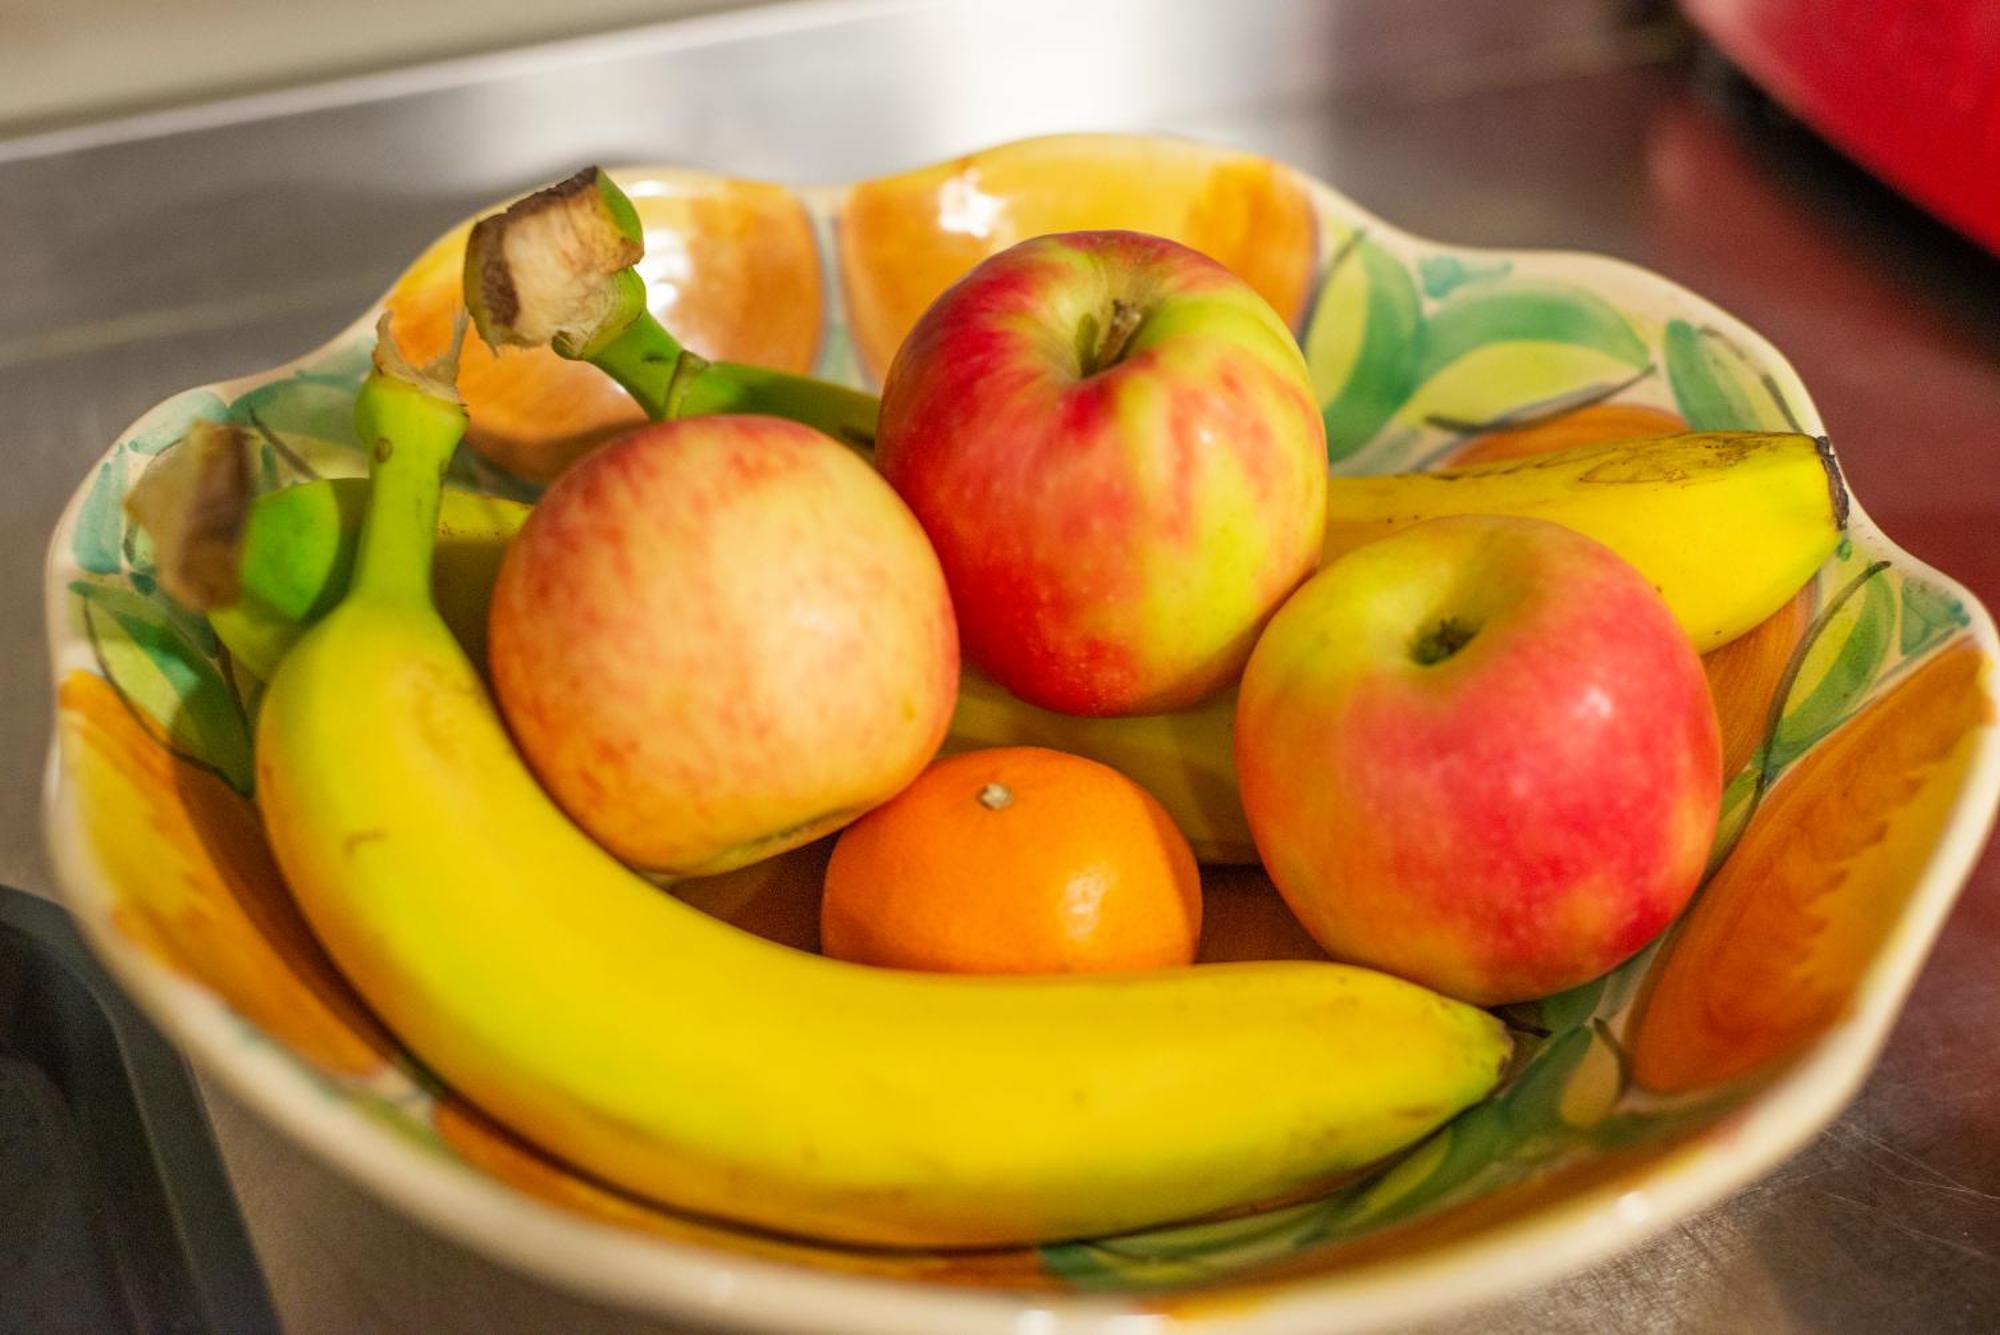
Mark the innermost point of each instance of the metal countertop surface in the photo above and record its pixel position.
(142, 257)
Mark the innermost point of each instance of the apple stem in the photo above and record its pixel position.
(1111, 341)
(996, 797)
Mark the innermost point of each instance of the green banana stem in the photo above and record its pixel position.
(667, 381)
(651, 364)
(412, 420)
(848, 415)
(556, 270)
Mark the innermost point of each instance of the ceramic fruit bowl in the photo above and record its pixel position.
(1858, 727)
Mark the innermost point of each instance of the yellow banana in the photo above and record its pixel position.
(693, 1063)
(1726, 524)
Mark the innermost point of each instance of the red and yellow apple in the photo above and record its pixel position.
(1480, 754)
(720, 638)
(1115, 448)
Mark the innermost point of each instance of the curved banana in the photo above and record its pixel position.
(1726, 524)
(693, 1063)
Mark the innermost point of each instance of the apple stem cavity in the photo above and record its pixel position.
(996, 797)
(1100, 346)
(1442, 641)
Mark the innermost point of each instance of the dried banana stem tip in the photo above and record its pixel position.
(555, 268)
(437, 377)
(193, 503)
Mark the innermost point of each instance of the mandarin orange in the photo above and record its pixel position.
(1014, 860)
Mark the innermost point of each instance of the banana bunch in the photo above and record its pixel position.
(1726, 525)
(691, 1062)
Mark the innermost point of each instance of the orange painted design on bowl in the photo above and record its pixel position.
(905, 239)
(196, 887)
(1743, 675)
(1773, 950)
(1595, 424)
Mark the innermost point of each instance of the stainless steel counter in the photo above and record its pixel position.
(140, 258)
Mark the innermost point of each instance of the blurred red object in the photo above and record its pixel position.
(1908, 88)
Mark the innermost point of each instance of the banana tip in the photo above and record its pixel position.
(1835, 483)
(437, 377)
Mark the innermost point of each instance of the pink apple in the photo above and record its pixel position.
(1114, 445)
(1480, 754)
(720, 638)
